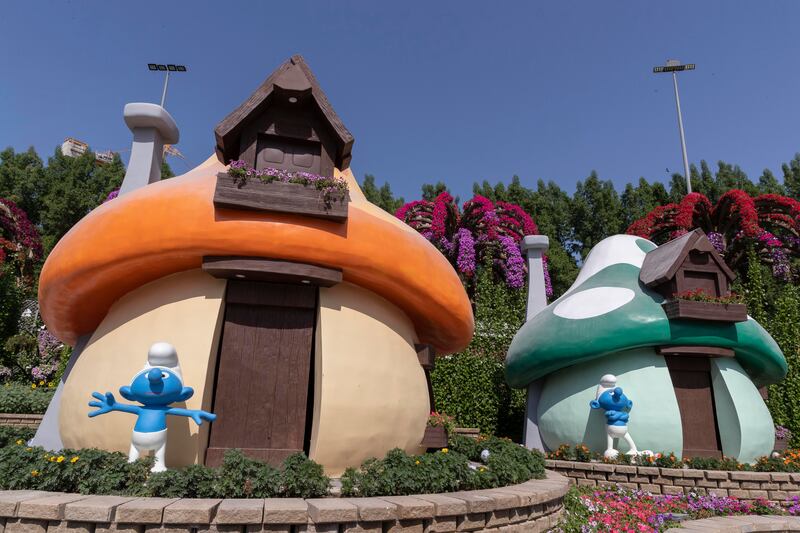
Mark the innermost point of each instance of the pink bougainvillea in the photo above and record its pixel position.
(481, 233)
(770, 223)
(19, 241)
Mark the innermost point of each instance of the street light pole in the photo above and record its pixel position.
(166, 84)
(167, 69)
(675, 66)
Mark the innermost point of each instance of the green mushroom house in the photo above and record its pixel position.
(660, 319)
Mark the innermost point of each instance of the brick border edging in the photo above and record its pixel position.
(535, 505)
(776, 487)
(732, 524)
(20, 420)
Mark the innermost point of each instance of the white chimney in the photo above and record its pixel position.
(534, 247)
(152, 128)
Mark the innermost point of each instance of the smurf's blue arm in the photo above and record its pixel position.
(106, 404)
(197, 415)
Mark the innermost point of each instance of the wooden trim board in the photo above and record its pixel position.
(273, 270)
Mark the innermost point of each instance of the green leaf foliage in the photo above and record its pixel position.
(450, 469)
(17, 398)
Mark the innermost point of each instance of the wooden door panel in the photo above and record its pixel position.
(691, 379)
(262, 382)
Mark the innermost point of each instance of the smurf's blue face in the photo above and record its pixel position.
(612, 400)
(157, 386)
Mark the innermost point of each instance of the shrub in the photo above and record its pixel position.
(9, 435)
(92, 471)
(447, 470)
(18, 398)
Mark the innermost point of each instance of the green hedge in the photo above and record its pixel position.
(17, 398)
(92, 471)
(472, 388)
(459, 467)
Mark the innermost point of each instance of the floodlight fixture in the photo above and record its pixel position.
(672, 66)
(165, 68)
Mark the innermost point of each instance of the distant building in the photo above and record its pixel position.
(73, 147)
(104, 157)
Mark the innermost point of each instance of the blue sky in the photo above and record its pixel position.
(456, 91)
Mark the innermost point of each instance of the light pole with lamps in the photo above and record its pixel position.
(167, 69)
(673, 66)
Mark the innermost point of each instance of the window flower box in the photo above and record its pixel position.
(696, 310)
(280, 197)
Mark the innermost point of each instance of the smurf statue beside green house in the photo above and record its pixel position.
(693, 369)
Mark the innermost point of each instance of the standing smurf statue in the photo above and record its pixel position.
(158, 385)
(616, 407)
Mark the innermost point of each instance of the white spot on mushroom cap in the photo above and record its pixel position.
(593, 302)
(610, 251)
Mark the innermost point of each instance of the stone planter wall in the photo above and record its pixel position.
(531, 506)
(20, 420)
(773, 486)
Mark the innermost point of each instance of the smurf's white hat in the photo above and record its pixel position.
(608, 381)
(164, 355)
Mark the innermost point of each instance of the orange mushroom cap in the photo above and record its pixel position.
(169, 226)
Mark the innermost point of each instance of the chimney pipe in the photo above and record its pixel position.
(534, 247)
(152, 128)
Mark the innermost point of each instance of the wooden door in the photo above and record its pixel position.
(264, 371)
(691, 379)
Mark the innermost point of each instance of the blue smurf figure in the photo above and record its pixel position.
(616, 405)
(155, 387)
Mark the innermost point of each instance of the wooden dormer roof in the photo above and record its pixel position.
(293, 76)
(661, 264)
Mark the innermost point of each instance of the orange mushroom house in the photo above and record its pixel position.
(305, 317)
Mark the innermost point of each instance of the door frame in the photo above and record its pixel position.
(261, 269)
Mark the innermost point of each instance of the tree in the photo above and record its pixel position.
(22, 181)
(430, 192)
(596, 214)
(166, 170)
(769, 184)
(640, 199)
(77, 185)
(791, 177)
(383, 197)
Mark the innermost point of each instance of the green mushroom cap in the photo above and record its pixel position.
(608, 310)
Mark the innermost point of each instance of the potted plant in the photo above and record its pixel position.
(282, 191)
(782, 438)
(440, 427)
(696, 304)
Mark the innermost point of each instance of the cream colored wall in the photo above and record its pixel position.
(184, 309)
(370, 390)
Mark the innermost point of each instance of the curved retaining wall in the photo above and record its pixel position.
(532, 506)
(773, 486)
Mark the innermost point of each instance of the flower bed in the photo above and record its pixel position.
(17, 398)
(788, 461)
(624, 510)
(470, 464)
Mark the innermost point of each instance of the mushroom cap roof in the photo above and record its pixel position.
(169, 226)
(608, 310)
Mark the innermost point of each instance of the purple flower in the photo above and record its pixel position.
(466, 252)
(514, 264)
(113, 194)
(717, 241)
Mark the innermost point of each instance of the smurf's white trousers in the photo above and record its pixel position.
(615, 432)
(144, 441)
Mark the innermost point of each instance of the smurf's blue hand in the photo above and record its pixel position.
(106, 404)
(197, 416)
